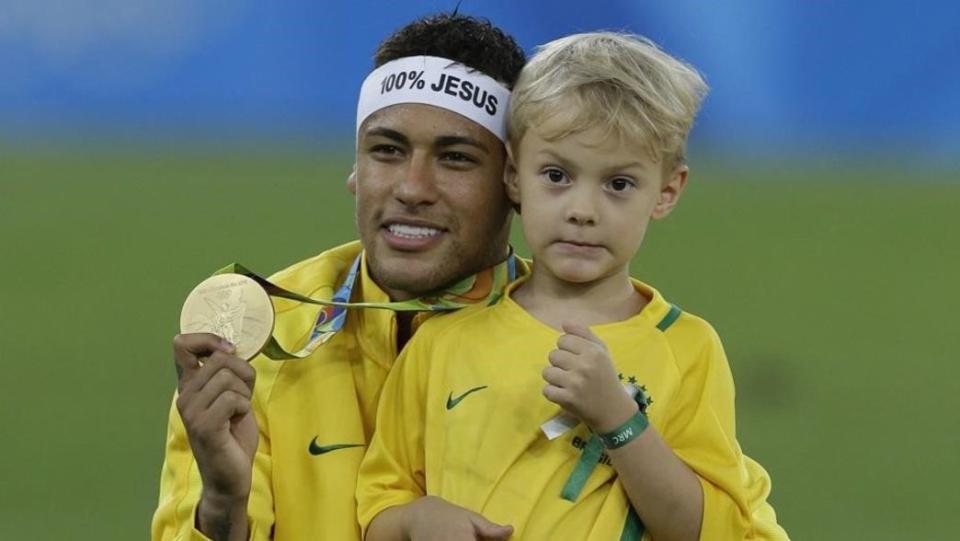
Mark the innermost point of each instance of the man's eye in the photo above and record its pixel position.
(385, 150)
(621, 184)
(458, 157)
(555, 176)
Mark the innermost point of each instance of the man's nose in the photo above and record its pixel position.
(419, 184)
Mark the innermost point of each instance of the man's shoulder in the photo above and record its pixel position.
(323, 270)
(316, 276)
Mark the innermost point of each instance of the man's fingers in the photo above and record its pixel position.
(485, 529)
(227, 406)
(216, 362)
(238, 366)
(222, 381)
(188, 349)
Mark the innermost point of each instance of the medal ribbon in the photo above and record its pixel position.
(485, 286)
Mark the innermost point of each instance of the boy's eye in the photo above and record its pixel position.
(620, 184)
(555, 176)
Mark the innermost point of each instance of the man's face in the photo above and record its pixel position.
(431, 206)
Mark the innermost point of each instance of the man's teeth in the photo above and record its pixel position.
(413, 232)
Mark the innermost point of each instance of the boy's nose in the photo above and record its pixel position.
(582, 210)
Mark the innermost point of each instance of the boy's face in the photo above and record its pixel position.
(586, 199)
(431, 206)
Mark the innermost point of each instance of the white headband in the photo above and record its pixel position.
(440, 82)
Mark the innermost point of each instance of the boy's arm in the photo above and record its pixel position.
(392, 473)
(662, 489)
(691, 482)
(665, 493)
(392, 504)
(702, 431)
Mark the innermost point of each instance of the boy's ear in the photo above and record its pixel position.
(352, 180)
(670, 192)
(510, 179)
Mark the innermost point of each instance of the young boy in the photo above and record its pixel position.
(582, 405)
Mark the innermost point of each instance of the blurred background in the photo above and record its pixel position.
(146, 143)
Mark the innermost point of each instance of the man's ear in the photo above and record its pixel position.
(352, 180)
(510, 179)
(670, 192)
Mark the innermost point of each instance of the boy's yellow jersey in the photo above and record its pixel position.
(315, 417)
(460, 418)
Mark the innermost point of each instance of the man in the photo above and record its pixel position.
(278, 459)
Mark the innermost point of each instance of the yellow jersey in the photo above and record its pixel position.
(315, 417)
(460, 418)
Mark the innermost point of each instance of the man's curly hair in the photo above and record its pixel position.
(474, 42)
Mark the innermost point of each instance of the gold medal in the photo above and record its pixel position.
(233, 307)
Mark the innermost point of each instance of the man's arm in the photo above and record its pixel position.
(433, 519)
(213, 435)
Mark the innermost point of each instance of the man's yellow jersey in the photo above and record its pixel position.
(315, 416)
(460, 419)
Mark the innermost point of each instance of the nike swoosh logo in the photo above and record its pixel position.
(317, 450)
(452, 402)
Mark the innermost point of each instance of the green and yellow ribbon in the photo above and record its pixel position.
(485, 286)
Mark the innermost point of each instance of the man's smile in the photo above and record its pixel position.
(411, 234)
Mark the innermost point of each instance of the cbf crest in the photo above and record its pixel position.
(638, 391)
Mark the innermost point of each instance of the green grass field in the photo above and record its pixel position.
(834, 289)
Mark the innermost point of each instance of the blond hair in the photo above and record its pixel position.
(621, 83)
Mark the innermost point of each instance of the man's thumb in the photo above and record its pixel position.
(489, 530)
